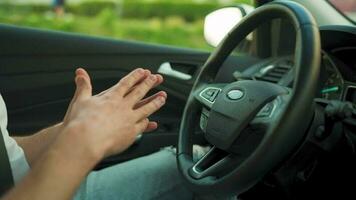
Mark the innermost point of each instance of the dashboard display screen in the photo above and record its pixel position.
(333, 83)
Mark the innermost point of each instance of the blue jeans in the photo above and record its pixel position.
(150, 177)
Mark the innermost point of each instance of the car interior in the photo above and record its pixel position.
(275, 100)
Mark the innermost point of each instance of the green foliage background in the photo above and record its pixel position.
(172, 22)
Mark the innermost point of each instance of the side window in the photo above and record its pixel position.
(171, 22)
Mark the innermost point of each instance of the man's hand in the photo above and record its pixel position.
(108, 123)
(38, 143)
(94, 127)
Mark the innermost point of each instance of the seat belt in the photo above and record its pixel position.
(6, 179)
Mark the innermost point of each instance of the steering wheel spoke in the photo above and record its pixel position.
(206, 96)
(215, 163)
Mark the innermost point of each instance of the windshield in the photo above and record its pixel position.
(346, 7)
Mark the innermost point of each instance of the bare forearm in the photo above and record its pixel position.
(37, 143)
(57, 174)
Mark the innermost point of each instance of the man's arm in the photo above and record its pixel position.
(56, 175)
(94, 127)
(34, 145)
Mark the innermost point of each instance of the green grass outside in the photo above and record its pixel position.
(108, 22)
(171, 30)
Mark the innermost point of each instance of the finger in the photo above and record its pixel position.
(142, 125)
(111, 88)
(83, 85)
(141, 90)
(72, 101)
(81, 71)
(151, 126)
(148, 99)
(129, 81)
(78, 71)
(151, 107)
(158, 82)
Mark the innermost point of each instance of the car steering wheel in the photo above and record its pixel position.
(251, 125)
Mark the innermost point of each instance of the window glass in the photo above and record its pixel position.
(172, 22)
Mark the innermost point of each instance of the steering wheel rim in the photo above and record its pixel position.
(281, 139)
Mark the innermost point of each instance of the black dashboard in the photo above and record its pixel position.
(337, 80)
(338, 73)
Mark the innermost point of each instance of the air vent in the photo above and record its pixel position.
(274, 73)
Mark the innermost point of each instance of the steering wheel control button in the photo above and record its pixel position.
(266, 111)
(204, 119)
(235, 94)
(203, 122)
(210, 94)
